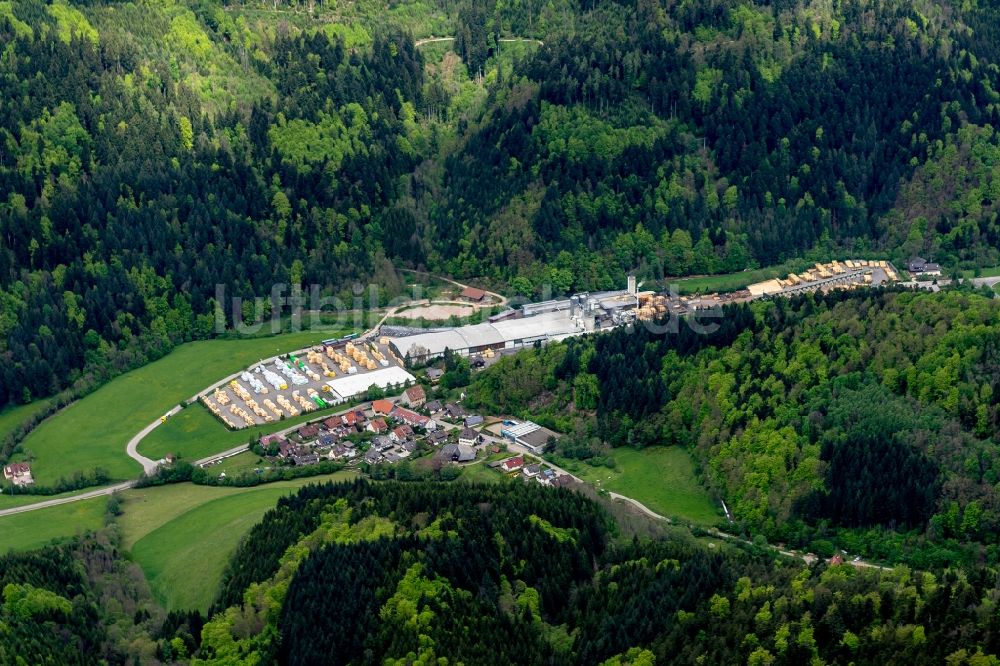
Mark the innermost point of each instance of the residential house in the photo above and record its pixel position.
(410, 445)
(18, 474)
(920, 266)
(268, 440)
(286, 449)
(393, 457)
(326, 441)
(354, 419)
(433, 407)
(410, 417)
(373, 456)
(512, 464)
(547, 476)
(305, 459)
(473, 420)
(377, 425)
(435, 374)
(465, 453)
(531, 471)
(340, 451)
(454, 411)
(401, 433)
(382, 443)
(468, 437)
(308, 432)
(382, 407)
(332, 423)
(448, 452)
(415, 396)
(437, 437)
(562, 481)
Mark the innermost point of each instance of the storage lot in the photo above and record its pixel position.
(287, 386)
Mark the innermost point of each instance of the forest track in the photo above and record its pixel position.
(503, 40)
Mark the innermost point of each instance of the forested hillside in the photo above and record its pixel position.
(152, 151)
(869, 421)
(515, 573)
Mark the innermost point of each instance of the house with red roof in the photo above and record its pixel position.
(377, 425)
(512, 464)
(383, 407)
(415, 396)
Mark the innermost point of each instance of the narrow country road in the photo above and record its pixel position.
(504, 40)
(90, 494)
(501, 300)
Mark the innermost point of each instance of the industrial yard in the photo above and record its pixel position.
(588, 312)
(822, 277)
(344, 368)
(319, 377)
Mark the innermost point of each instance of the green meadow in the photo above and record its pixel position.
(93, 431)
(34, 529)
(662, 478)
(183, 535)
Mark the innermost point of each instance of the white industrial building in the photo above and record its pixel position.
(534, 322)
(348, 386)
(475, 338)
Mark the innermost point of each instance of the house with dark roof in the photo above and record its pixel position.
(286, 449)
(920, 266)
(326, 441)
(372, 456)
(465, 453)
(340, 451)
(382, 443)
(435, 374)
(473, 420)
(305, 459)
(454, 411)
(531, 471)
(433, 407)
(562, 480)
(437, 437)
(308, 431)
(468, 437)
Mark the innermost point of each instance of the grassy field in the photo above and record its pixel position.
(735, 281)
(992, 271)
(183, 535)
(26, 531)
(10, 417)
(662, 478)
(93, 432)
(194, 433)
